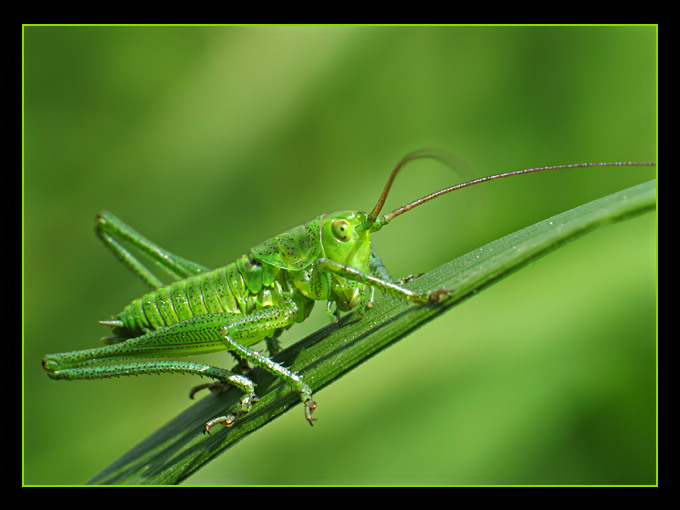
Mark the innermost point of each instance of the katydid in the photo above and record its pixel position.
(254, 299)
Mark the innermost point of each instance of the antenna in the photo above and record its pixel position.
(374, 223)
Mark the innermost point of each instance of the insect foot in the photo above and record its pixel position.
(439, 295)
(310, 407)
(305, 393)
(408, 278)
(227, 420)
(246, 404)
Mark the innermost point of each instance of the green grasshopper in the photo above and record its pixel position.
(254, 299)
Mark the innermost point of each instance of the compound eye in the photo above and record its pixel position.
(341, 230)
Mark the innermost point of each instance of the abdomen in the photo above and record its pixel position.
(222, 290)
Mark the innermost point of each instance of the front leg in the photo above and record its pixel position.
(378, 269)
(351, 273)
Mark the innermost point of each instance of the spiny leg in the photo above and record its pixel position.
(207, 333)
(235, 333)
(249, 326)
(112, 231)
(217, 387)
(279, 371)
(351, 273)
(158, 367)
(194, 336)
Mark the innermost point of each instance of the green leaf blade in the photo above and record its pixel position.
(180, 448)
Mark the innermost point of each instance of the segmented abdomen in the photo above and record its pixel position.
(238, 288)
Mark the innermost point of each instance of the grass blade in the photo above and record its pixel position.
(179, 448)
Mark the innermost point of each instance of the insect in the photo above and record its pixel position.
(254, 299)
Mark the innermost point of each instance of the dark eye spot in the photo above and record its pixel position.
(341, 230)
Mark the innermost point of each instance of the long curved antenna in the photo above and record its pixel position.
(373, 223)
(401, 210)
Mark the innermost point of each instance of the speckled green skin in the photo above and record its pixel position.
(264, 292)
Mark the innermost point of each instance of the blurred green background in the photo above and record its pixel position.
(209, 140)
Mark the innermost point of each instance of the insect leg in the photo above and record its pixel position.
(113, 232)
(375, 281)
(160, 367)
(248, 328)
(377, 267)
(273, 348)
(198, 335)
